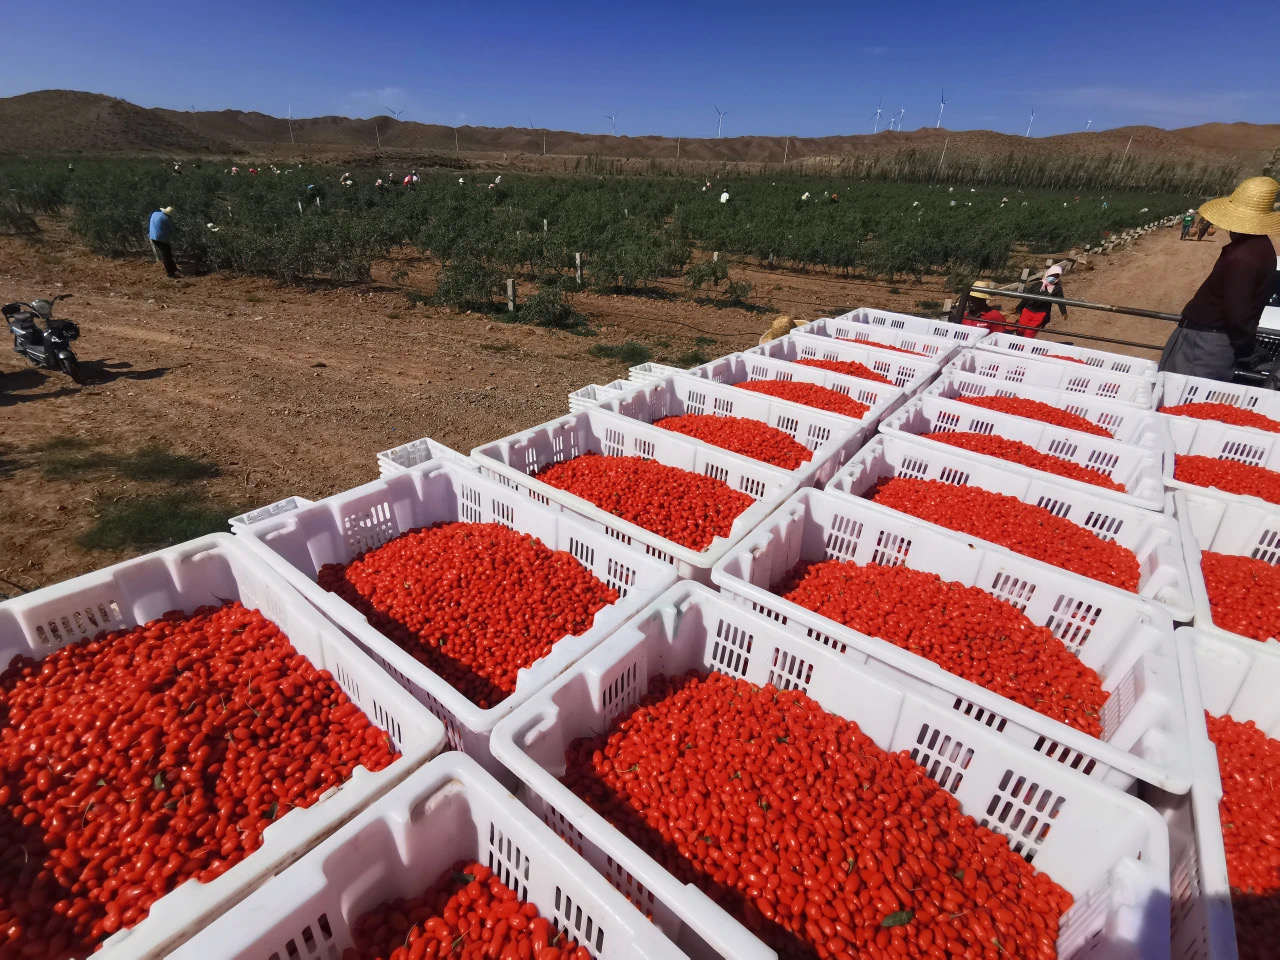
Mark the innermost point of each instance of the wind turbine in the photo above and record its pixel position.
(901, 113)
(196, 120)
(876, 116)
(613, 120)
(1031, 121)
(720, 123)
(291, 140)
(1087, 125)
(544, 137)
(942, 105)
(395, 114)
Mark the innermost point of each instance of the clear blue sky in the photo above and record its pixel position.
(802, 68)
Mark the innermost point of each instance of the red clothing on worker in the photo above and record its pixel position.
(995, 321)
(1030, 322)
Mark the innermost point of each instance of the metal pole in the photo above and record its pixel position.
(1083, 304)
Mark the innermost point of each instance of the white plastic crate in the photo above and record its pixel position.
(1239, 681)
(185, 577)
(1108, 849)
(449, 810)
(594, 393)
(1068, 377)
(937, 349)
(267, 512)
(645, 372)
(409, 455)
(1221, 441)
(339, 528)
(909, 373)
(1099, 359)
(745, 367)
(831, 438)
(1153, 537)
(513, 459)
(911, 324)
(1139, 471)
(1128, 641)
(1200, 905)
(1174, 389)
(1128, 424)
(1241, 526)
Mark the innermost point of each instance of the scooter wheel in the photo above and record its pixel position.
(71, 367)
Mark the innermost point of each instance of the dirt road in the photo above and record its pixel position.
(263, 391)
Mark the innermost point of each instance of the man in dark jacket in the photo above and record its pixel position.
(1220, 323)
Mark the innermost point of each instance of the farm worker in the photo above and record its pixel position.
(1188, 219)
(980, 312)
(158, 232)
(234, 171)
(414, 174)
(409, 179)
(724, 197)
(1203, 227)
(1034, 314)
(1219, 325)
(780, 327)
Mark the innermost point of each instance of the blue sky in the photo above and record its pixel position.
(806, 69)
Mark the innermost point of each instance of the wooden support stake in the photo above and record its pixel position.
(544, 224)
(1026, 275)
(577, 260)
(715, 256)
(511, 296)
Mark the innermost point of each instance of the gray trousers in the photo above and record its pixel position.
(1198, 353)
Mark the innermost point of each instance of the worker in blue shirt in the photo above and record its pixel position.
(160, 242)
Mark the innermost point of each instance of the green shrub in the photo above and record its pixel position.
(548, 308)
(468, 284)
(714, 272)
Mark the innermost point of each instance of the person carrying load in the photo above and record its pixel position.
(1034, 314)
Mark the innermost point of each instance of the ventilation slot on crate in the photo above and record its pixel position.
(614, 444)
(716, 472)
(815, 437)
(504, 513)
(80, 624)
(582, 552)
(1268, 547)
(731, 650)
(469, 509)
(788, 425)
(1072, 621)
(839, 646)
(531, 464)
(841, 540)
(619, 576)
(1185, 891)
(769, 612)
(1105, 526)
(979, 425)
(1012, 590)
(586, 930)
(1066, 449)
(619, 536)
(914, 468)
(891, 549)
(982, 715)
(752, 487)
(946, 421)
(508, 861)
(1022, 810)
(1100, 460)
(789, 672)
(562, 827)
(627, 885)
(621, 693)
(942, 757)
(347, 682)
(1243, 452)
(720, 406)
(1066, 756)
(1078, 385)
(643, 448)
(452, 731)
(387, 721)
(1119, 703)
(1058, 508)
(655, 552)
(368, 530)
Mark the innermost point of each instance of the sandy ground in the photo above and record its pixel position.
(294, 390)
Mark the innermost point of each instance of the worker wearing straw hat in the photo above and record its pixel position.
(1219, 324)
(780, 327)
(981, 312)
(158, 231)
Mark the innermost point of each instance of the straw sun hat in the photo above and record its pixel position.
(981, 283)
(1249, 209)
